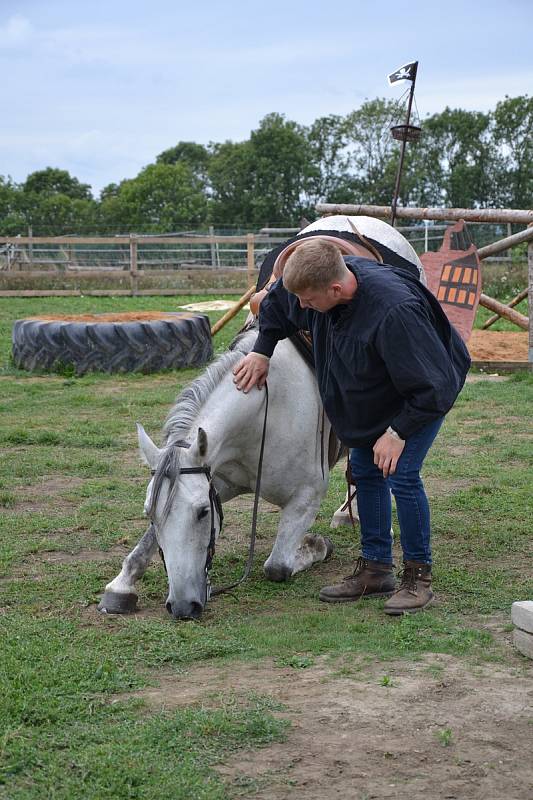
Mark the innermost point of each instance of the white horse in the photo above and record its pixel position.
(213, 425)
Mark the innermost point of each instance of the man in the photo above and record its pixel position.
(389, 367)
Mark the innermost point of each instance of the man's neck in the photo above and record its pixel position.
(349, 288)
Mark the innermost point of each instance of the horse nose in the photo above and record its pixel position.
(185, 610)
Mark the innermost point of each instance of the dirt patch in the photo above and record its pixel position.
(458, 449)
(498, 346)
(31, 567)
(43, 493)
(477, 378)
(442, 729)
(123, 316)
(78, 557)
(443, 486)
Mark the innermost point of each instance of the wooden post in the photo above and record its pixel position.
(233, 311)
(250, 259)
(519, 216)
(530, 299)
(504, 311)
(134, 280)
(30, 246)
(504, 244)
(511, 304)
(213, 251)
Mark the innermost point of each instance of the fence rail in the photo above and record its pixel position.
(153, 255)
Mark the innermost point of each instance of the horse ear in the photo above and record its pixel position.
(149, 453)
(202, 442)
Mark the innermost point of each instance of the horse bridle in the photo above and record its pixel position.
(215, 505)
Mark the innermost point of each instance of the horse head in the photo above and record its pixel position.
(183, 506)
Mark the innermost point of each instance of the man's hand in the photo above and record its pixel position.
(387, 451)
(251, 371)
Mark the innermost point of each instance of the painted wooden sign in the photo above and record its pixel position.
(454, 276)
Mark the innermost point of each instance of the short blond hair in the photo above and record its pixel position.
(314, 264)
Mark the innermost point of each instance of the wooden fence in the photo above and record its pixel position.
(39, 256)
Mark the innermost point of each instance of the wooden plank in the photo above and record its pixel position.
(59, 240)
(503, 366)
(143, 240)
(504, 311)
(250, 259)
(511, 304)
(505, 244)
(530, 299)
(134, 280)
(117, 292)
(55, 273)
(468, 214)
(40, 293)
(223, 272)
(232, 312)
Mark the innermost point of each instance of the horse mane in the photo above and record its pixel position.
(181, 417)
(190, 401)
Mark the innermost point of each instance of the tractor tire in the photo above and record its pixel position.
(129, 342)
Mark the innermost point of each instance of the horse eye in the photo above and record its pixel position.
(203, 512)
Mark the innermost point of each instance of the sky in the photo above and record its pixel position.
(100, 88)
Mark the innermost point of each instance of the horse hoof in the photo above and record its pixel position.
(117, 603)
(330, 547)
(278, 574)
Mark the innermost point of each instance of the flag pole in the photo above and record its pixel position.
(402, 151)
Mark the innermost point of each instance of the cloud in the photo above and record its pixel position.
(16, 32)
(110, 45)
(474, 93)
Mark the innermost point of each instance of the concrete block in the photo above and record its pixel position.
(522, 615)
(523, 642)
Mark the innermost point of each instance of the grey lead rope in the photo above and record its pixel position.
(251, 551)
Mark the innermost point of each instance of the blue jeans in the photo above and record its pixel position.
(374, 500)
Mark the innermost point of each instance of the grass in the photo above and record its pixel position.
(70, 482)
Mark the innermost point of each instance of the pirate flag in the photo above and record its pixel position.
(405, 73)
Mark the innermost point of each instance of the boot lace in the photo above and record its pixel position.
(360, 566)
(408, 578)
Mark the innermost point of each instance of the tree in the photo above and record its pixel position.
(328, 140)
(231, 182)
(282, 165)
(12, 218)
(58, 214)
(264, 179)
(193, 155)
(373, 154)
(160, 199)
(51, 181)
(455, 161)
(513, 131)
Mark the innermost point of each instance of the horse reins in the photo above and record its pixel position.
(215, 504)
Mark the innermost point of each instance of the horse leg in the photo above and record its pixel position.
(120, 596)
(295, 550)
(342, 514)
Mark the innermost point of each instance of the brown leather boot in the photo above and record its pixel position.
(414, 592)
(369, 579)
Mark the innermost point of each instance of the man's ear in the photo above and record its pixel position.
(335, 289)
